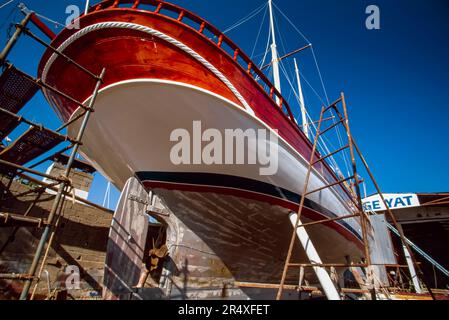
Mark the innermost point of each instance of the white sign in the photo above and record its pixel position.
(394, 201)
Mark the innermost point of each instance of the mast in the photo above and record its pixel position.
(274, 54)
(305, 123)
(87, 7)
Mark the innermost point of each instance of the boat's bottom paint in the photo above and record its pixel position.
(215, 239)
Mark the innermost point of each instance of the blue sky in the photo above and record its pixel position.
(395, 79)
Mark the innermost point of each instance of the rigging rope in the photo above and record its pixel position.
(340, 140)
(7, 19)
(258, 34)
(259, 54)
(267, 49)
(50, 20)
(321, 141)
(245, 19)
(293, 25)
(320, 75)
(6, 3)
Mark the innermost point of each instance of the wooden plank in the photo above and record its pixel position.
(126, 245)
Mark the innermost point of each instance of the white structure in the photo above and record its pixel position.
(325, 280)
(274, 53)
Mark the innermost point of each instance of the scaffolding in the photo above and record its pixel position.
(350, 184)
(16, 89)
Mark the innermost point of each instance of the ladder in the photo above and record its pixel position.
(351, 185)
(345, 183)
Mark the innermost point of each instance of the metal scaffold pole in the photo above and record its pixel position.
(355, 198)
(300, 232)
(394, 220)
(4, 54)
(60, 194)
(388, 209)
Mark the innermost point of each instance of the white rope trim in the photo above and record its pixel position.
(180, 45)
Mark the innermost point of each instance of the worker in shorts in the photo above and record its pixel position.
(151, 263)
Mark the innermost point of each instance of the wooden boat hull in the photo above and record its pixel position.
(162, 75)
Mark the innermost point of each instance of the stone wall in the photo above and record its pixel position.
(79, 243)
(80, 180)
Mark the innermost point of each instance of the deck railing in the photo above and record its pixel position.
(202, 27)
